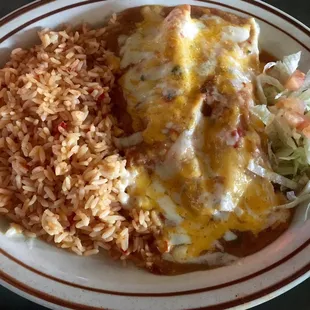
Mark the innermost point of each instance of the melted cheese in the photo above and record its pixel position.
(173, 67)
(235, 34)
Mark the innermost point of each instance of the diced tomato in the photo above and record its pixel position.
(101, 97)
(234, 133)
(304, 124)
(240, 132)
(292, 104)
(233, 138)
(297, 120)
(295, 81)
(56, 128)
(294, 119)
(63, 125)
(306, 131)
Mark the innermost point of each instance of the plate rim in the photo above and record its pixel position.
(295, 279)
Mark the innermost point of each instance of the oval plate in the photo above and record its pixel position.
(61, 280)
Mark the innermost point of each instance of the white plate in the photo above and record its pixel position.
(58, 279)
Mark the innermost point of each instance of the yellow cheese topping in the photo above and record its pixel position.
(175, 67)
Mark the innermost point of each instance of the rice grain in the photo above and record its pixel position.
(61, 175)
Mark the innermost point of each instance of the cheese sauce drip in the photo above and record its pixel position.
(187, 84)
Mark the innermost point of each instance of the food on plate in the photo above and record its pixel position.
(161, 138)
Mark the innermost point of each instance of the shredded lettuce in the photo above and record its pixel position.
(263, 113)
(293, 164)
(271, 176)
(291, 195)
(265, 82)
(266, 79)
(271, 92)
(303, 196)
(268, 66)
(305, 97)
(295, 202)
(260, 92)
(304, 192)
(307, 150)
(306, 189)
(288, 147)
(282, 70)
(280, 133)
(289, 152)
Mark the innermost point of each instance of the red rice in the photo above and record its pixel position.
(60, 172)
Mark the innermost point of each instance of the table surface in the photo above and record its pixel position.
(297, 298)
